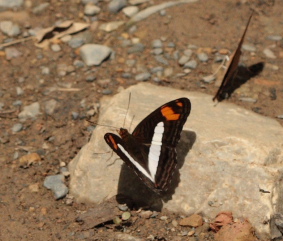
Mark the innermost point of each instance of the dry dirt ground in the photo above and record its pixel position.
(31, 214)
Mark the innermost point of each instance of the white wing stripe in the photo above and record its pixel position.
(155, 149)
(136, 164)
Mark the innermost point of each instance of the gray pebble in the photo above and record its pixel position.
(17, 127)
(126, 43)
(176, 54)
(248, 99)
(126, 75)
(249, 47)
(76, 42)
(94, 54)
(136, 48)
(11, 3)
(78, 63)
(16, 155)
(143, 76)
(188, 52)
(90, 78)
(17, 103)
(269, 54)
(162, 12)
(56, 184)
(9, 28)
(116, 5)
(30, 111)
(106, 92)
(203, 57)
(75, 115)
(133, 29)
(40, 8)
(91, 10)
(161, 59)
(192, 64)
(50, 106)
(184, 59)
(208, 79)
(171, 45)
(280, 116)
(55, 47)
(274, 37)
(123, 207)
(219, 58)
(1, 105)
(89, 1)
(157, 51)
(156, 69)
(157, 43)
(156, 79)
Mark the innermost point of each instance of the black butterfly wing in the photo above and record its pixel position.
(231, 68)
(172, 116)
(130, 153)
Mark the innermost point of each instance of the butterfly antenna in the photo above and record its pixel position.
(131, 122)
(127, 109)
(95, 123)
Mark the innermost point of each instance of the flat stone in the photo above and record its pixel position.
(203, 57)
(56, 184)
(50, 106)
(194, 220)
(17, 127)
(161, 59)
(40, 8)
(130, 11)
(143, 76)
(157, 43)
(136, 48)
(269, 54)
(91, 10)
(94, 54)
(208, 79)
(30, 111)
(224, 160)
(274, 37)
(184, 59)
(12, 52)
(249, 47)
(111, 26)
(192, 64)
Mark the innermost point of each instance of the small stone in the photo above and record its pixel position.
(17, 127)
(45, 70)
(126, 215)
(40, 8)
(126, 75)
(19, 91)
(130, 11)
(157, 43)
(136, 48)
(91, 10)
(163, 218)
(156, 69)
(75, 115)
(269, 54)
(162, 12)
(248, 99)
(188, 53)
(224, 51)
(130, 62)
(116, 5)
(123, 207)
(11, 3)
(55, 47)
(157, 51)
(34, 187)
(90, 78)
(117, 220)
(17, 103)
(168, 72)
(161, 59)
(145, 214)
(30, 111)
(248, 47)
(279, 116)
(192, 64)
(107, 92)
(174, 223)
(76, 42)
(191, 233)
(137, 2)
(27, 160)
(208, 79)
(50, 106)
(56, 184)
(274, 37)
(143, 76)
(184, 59)
(171, 45)
(194, 220)
(94, 54)
(78, 63)
(12, 53)
(9, 28)
(203, 57)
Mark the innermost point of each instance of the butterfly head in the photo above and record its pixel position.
(123, 132)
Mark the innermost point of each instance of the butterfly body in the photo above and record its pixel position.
(150, 151)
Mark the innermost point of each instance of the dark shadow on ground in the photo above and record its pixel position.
(241, 76)
(133, 192)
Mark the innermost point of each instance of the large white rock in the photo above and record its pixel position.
(230, 159)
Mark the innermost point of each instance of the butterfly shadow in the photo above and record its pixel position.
(241, 76)
(137, 195)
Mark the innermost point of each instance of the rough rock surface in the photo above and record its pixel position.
(229, 158)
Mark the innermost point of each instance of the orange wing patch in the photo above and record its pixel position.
(113, 142)
(179, 103)
(169, 113)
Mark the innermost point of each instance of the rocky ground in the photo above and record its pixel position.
(50, 91)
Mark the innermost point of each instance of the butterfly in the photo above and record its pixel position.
(231, 72)
(150, 151)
